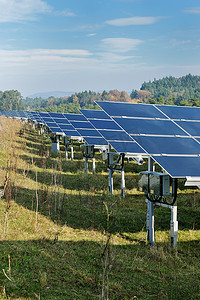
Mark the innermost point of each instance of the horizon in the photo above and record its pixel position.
(96, 45)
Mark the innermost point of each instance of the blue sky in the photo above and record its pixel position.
(60, 45)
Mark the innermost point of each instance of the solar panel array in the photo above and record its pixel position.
(168, 134)
(161, 132)
(111, 132)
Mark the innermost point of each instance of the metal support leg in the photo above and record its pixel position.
(47, 136)
(150, 223)
(110, 181)
(174, 226)
(86, 165)
(93, 165)
(72, 151)
(123, 183)
(66, 152)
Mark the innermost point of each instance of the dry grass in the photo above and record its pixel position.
(69, 239)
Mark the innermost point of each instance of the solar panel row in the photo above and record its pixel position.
(168, 134)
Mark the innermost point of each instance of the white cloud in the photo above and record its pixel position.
(91, 34)
(65, 13)
(120, 45)
(22, 10)
(133, 21)
(177, 43)
(193, 10)
(42, 58)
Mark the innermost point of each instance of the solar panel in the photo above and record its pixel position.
(162, 138)
(180, 112)
(86, 130)
(149, 126)
(57, 115)
(113, 133)
(119, 109)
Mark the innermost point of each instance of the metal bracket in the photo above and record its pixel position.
(116, 166)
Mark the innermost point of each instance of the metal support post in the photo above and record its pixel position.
(110, 181)
(110, 175)
(174, 226)
(86, 165)
(72, 150)
(66, 147)
(93, 165)
(123, 183)
(47, 136)
(150, 223)
(150, 210)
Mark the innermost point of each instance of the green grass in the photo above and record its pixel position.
(81, 236)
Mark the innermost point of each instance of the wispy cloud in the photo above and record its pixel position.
(22, 10)
(65, 13)
(133, 21)
(177, 43)
(193, 10)
(119, 45)
(91, 34)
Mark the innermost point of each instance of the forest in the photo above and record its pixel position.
(184, 91)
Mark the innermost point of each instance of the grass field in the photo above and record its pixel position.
(62, 236)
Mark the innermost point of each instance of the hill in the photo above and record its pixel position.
(46, 95)
(170, 90)
(64, 237)
(71, 104)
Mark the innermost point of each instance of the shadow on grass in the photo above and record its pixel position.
(53, 269)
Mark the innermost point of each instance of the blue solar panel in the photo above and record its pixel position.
(94, 114)
(85, 129)
(74, 117)
(105, 124)
(169, 145)
(179, 166)
(180, 112)
(44, 114)
(147, 126)
(70, 133)
(191, 127)
(111, 132)
(47, 119)
(81, 125)
(130, 110)
(95, 141)
(127, 147)
(89, 132)
(57, 115)
(61, 121)
(162, 138)
(113, 135)
(66, 126)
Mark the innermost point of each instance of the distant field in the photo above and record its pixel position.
(62, 236)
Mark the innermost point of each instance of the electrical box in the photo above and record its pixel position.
(104, 155)
(156, 184)
(88, 151)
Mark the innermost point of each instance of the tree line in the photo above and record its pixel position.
(168, 90)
